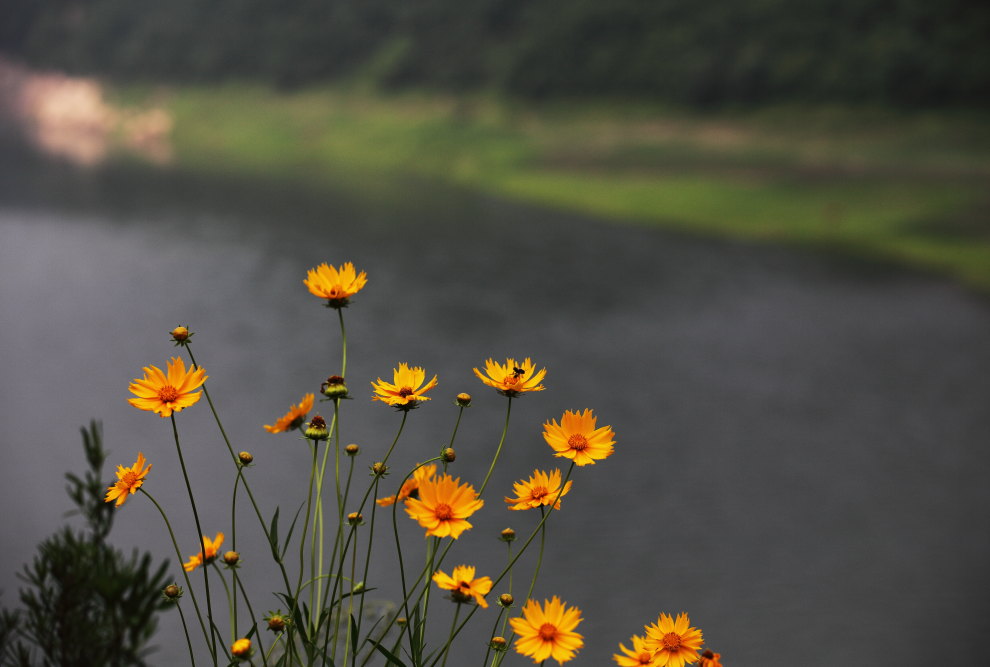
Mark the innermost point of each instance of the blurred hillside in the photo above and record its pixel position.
(890, 52)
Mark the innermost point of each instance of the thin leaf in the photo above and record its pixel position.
(384, 651)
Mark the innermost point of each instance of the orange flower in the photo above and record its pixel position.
(129, 480)
(464, 586)
(638, 656)
(335, 285)
(212, 547)
(241, 648)
(443, 506)
(540, 489)
(511, 379)
(410, 488)
(710, 659)
(674, 642)
(294, 418)
(576, 437)
(164, 394)
(548, 631)
(406, 389)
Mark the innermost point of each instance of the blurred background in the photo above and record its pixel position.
(753, 236)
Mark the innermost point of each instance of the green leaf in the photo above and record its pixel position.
(384, 651)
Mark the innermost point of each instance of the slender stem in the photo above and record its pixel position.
(539, 559)
(350, 600)
(239, 584)
(185, 630)
(453, 625)
(302, 540)
(431, 552)
(178, 555)
(233, 546)
(199, 532)
(343, 339)
(367, 557)
(501, 612)
(498, 450)
(230, 602)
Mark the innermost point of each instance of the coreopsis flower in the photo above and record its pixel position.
(674, 641)
(577, 438)
(241, 649)
(410, 488)
(540, 489)
(406, 389)
(710, 659)
(443, 506)
(637, 656)
(512, 379)
(464, 586)
(294, 418)
(211, 546)
(337, 286)
(163, 393)
(129, 480)
(547, 631)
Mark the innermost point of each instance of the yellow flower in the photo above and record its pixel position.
(443, 506)
(212, 547)
(540, 489)
(464, 586)
(129, 480)
(638, 656)
(294, 418)
(164, 394)
(576, 437)
(335, 285)
(410, 488)
(241, 648)
(511, 379)
(710, 659)
(674, 642)
(548, 631)
(406, 389)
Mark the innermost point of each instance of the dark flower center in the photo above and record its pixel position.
(168, 393)
(671, 641)
(577, 442)
(444, 512)
(405, 391)
(548, 631)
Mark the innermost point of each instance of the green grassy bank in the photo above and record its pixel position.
(909, 188)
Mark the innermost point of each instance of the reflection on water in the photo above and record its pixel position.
(800, 442)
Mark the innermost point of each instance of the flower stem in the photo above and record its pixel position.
(199, 532)
(453, 625)
(498, 450)
(185, 630)
(302, 539)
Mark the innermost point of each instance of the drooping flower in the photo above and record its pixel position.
(241, 649)
(294, 418)
(547, 631)
(637, 656)
(212, 547)
(464, 586)
(512, 379)
(540, 489)
(410, 488)
(443, 506)
(710, 659)
(578, 439)
(164, 394)
(406, 389)
(674, 641)
(337, 286)
(129, 480)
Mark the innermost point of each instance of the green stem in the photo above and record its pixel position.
(450, 639)
(343, 339)
(498, 450)
(233, 546)
(501, 612)
(185, 630)
(302, 540)
(350, 599)
(202, 537)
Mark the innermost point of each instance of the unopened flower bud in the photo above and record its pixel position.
(231, 558)
(317, 429)
(401, 621)
(180, 335)
(277, 621)
(172, 593)
(505, 600)
(448, 455)
(334, 387)
(508, 535)
(241, 649)
(351, 449)
(379, 469)
(355, 518)
(245, 458)
(499, 643)
(463, 400)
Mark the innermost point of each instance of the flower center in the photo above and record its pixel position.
(334, 292)
(577, 442)
(511, 380)
(168, 393)
(645, 658)
(548, 631)
(538, 492)
(128, 480)
(671, 641)
(405, 391)
(444, 512)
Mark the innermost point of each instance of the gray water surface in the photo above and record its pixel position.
(801, 455)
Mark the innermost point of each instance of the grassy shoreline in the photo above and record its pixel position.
(908, 188)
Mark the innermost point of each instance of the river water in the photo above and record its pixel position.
(802, 441)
